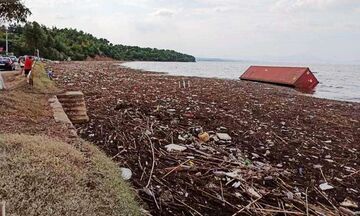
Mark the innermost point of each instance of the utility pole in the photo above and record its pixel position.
(7, 43)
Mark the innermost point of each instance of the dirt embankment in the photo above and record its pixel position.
(283, 145)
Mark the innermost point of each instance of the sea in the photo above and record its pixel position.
(337, 82)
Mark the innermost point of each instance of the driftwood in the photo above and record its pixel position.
(270, 167)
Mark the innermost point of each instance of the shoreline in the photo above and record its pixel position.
(289, 134)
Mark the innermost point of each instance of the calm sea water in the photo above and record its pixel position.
(338, 82)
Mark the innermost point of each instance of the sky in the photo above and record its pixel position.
(265, 30)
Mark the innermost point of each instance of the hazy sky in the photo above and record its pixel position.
(297, 30)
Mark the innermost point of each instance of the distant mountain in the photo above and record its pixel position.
(217, 59)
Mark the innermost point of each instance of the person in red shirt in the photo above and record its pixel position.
(28, 65)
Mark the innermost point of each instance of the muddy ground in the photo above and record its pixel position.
(283, 144)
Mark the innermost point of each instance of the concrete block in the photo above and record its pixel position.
(73, 103)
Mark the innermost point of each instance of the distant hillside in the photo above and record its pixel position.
(60, 44)
(217, 59)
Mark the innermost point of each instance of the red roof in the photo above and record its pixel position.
(300, 77)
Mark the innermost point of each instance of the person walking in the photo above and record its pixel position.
(21, 62)
(28, 65)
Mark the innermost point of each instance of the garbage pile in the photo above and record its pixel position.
(195, 146)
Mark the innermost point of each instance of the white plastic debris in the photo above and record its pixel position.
(219, 173)
(290, 195)
(236, 174)
(349, 203)
(238, 195)
(325, 186)
(236, 184)
(223, 136)
(181, 138)
(175, 147)
(126, 173)
(267, 153)
(171, 110)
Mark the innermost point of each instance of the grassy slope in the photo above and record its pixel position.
(40, 175)
(41, 81)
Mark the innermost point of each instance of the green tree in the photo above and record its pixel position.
(59, 44)
(13, 10)
(35, 36)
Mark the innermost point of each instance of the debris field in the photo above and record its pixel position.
(201, 146)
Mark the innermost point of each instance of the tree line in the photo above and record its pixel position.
(59, 44)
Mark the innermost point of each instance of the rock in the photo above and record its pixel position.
(223, 136)
(204, 137)
(126, 173)
(325, 186)
(175, 147)
(279, 165)
(349, 203)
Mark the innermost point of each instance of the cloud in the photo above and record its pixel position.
(319, 5)
(215, 28)
(163, 12)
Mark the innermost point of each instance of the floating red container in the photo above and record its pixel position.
(297, 77)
